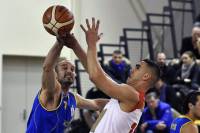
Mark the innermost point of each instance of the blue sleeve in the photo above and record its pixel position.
(152, 124)
(167, 116)
(147, 117)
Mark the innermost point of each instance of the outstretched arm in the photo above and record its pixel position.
(49, 75)
(123, 93)
(95, 104)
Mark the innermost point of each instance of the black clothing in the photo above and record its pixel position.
(194, 76)
(118, 72)
(168, 74)
(188, 46)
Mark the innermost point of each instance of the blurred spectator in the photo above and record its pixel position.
(197, 18)
(189, 73)
(118, 68)
(167, 72)
(157, 116)
(192, 43)
(89, 115)
(166, 92)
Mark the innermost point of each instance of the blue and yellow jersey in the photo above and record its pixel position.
(42, 120)
(179, 122)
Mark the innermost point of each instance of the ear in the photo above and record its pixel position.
(190, 105)
(146, 76)
(56, 75)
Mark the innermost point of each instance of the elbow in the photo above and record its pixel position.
(47, 68)
(93, 77)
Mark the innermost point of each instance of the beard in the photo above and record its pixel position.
(66, 81)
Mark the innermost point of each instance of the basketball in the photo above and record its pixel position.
(58, 20)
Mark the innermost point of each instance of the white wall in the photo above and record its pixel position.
(22, 32)
(113, 14)
(118, 14)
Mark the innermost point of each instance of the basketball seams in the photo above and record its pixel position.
(56, 25)
(59, 25)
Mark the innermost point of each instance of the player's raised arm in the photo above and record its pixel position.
(70, 41)
(48, 76)
(97, 75)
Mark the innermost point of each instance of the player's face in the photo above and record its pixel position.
(196, 109)
(66, 72)
(136, 73)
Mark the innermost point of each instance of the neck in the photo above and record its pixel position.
(139, 87)
(191, 116)
(65, 89)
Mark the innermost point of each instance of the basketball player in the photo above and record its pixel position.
(122, 113)
(53, 107)
(191, 108)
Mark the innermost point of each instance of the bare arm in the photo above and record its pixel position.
(123, 93)
(70, 41)
(95, 104)
(49, 77)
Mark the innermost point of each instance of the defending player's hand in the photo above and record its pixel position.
(92, 35)
(68, 40)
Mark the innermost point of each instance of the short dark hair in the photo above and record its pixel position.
(190, 54)
(152, 93)
(190, 98)
(155, 70)
(196, 24)
(117, 52)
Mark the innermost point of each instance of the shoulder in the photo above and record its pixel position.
(72, 95)
(127, 61)
(164, 105)
(132, 91)
(133, 99)
(75, 97)
(146, 109)
(107, 62)
(189, 127)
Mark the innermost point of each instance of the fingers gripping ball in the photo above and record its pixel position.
(57, 20)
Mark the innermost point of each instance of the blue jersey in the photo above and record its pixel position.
(42, 120)
(178, 123)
